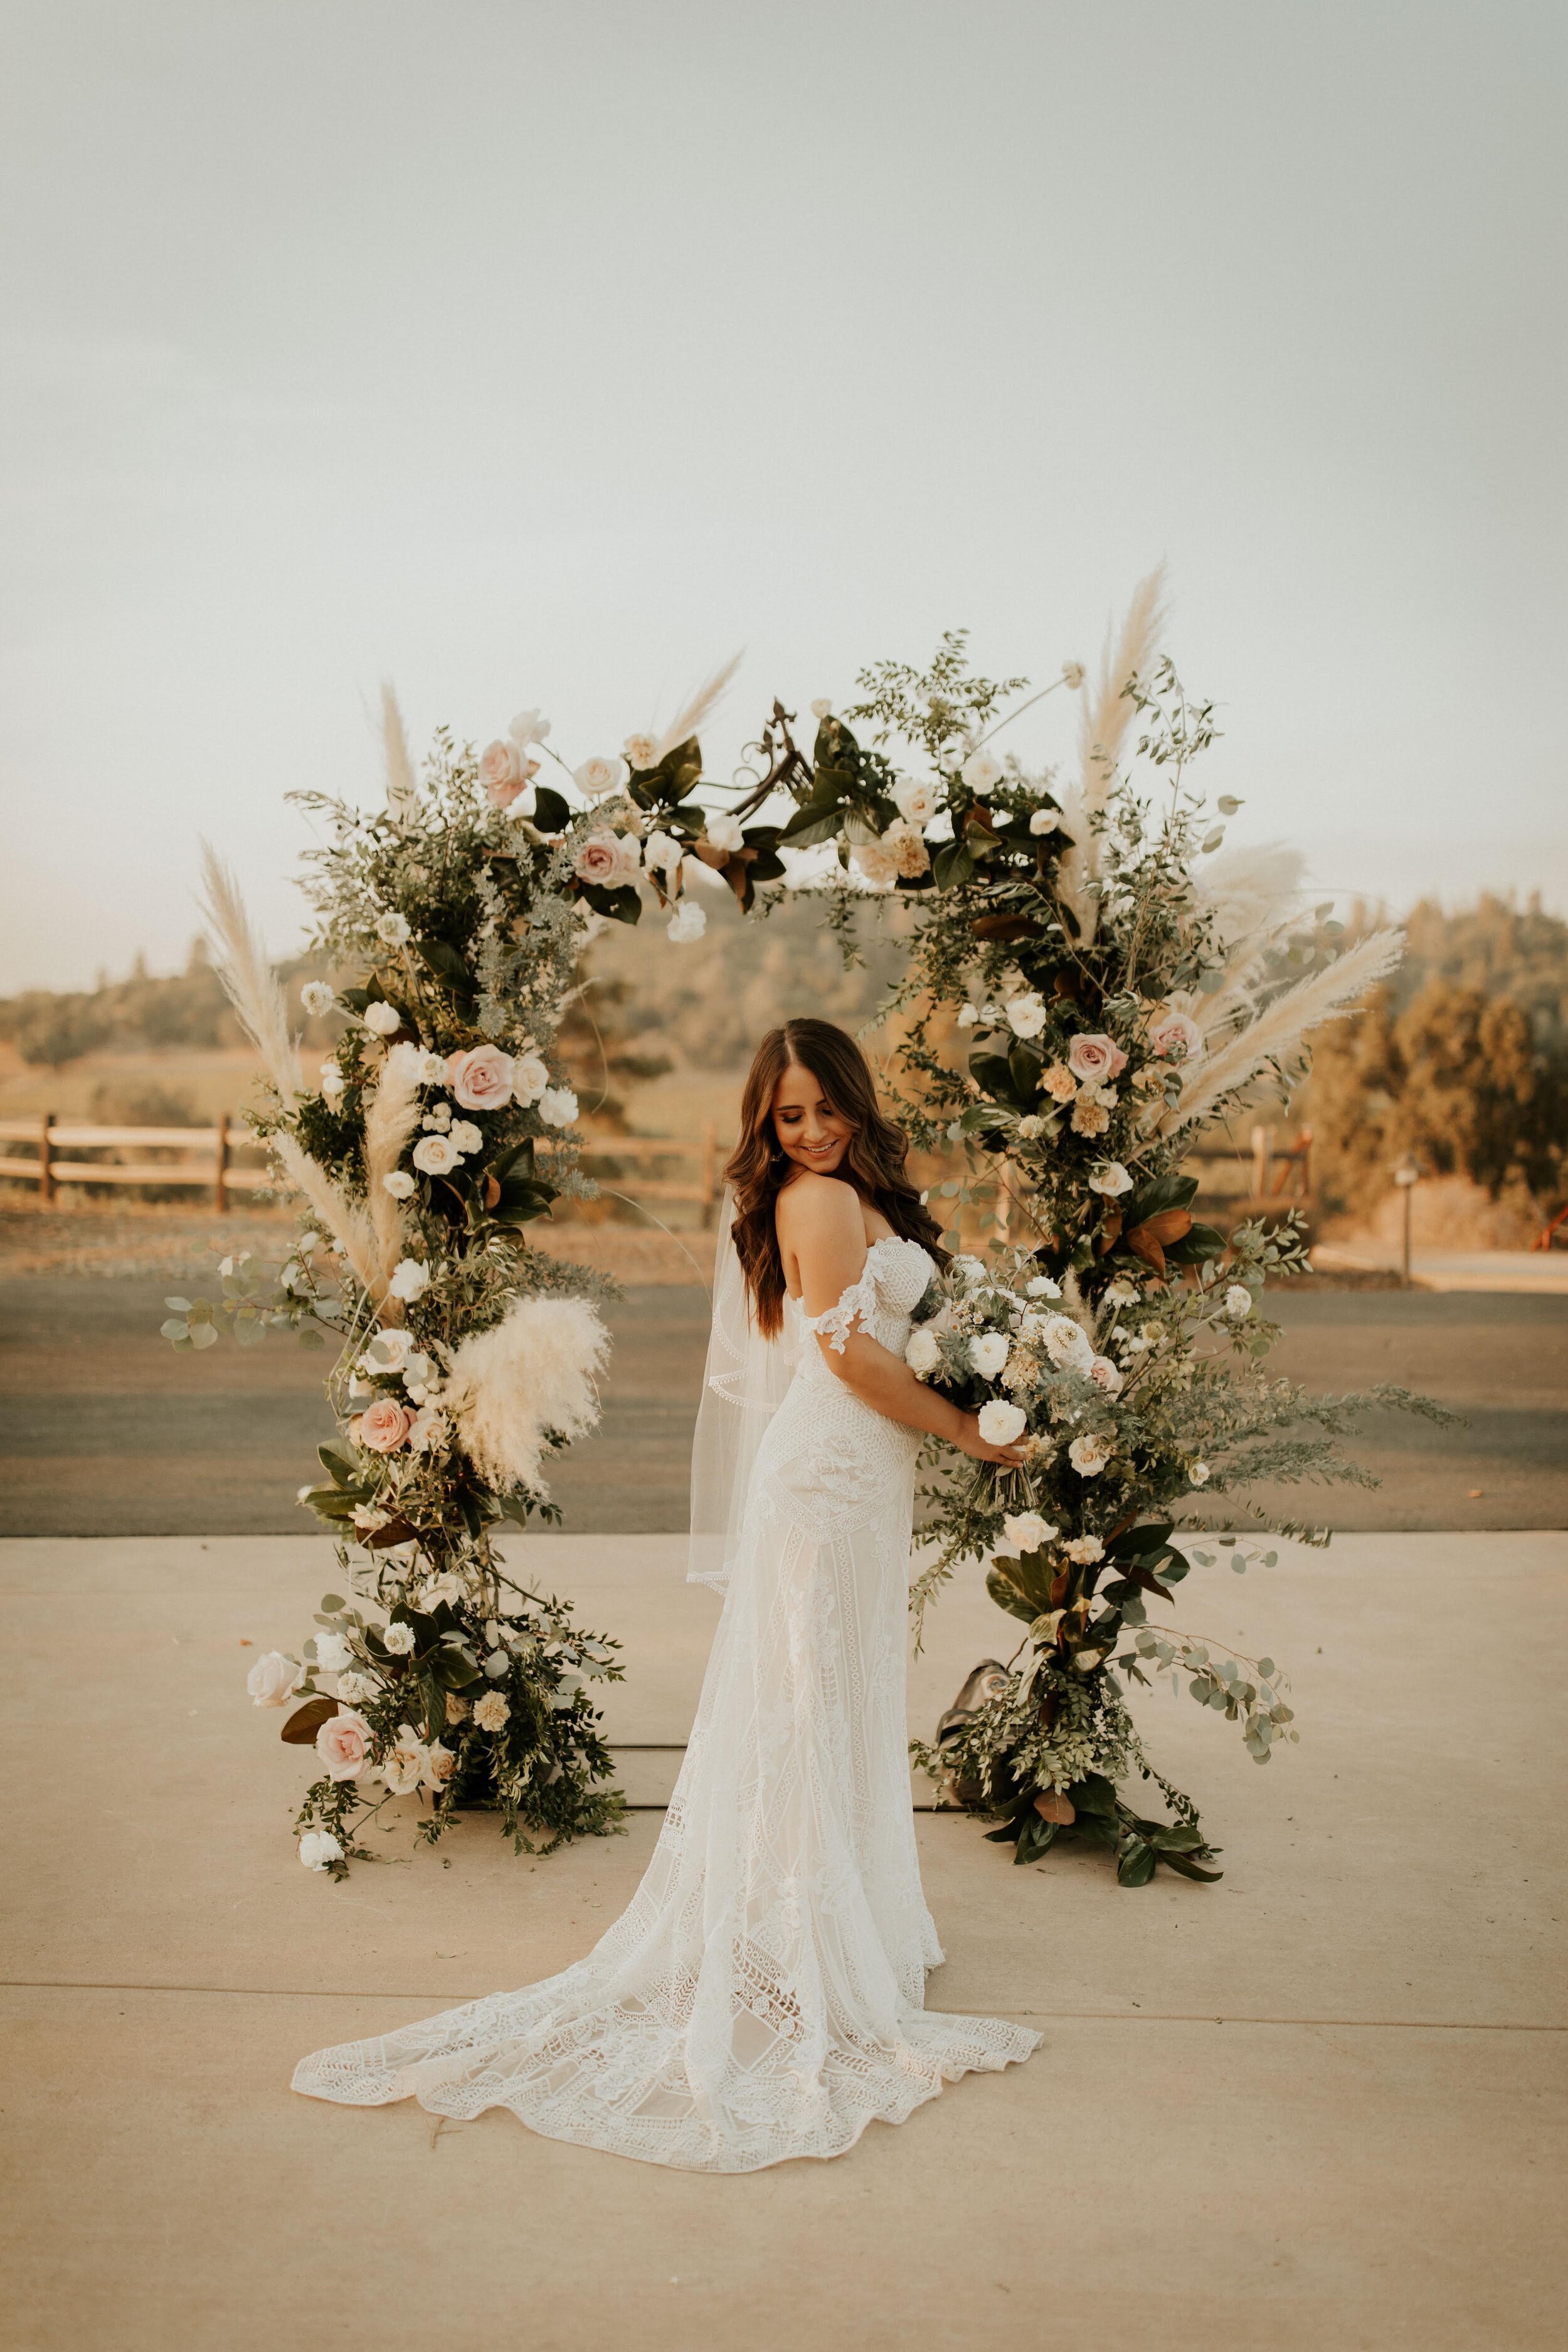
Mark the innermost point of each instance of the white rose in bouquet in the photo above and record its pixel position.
(481, 1078)
(726, 832)
(530, 1077)
(1027, 1531)
(1002, 1423)
(922, 1354)
(528, 727)
(1027, 1013)
(916, 803)
(1084, 1551)
(343, 1744)
(1067, 1343)
(1111, 1179)
(273, 1680)
(435, 1155)
(399, 1184)
(1045, 820)
(988, 1352)
(597, 777)
(1088, 1456)
(333, 1081)
(381, 1019)
(466, 1137)
(406, 1763)
(981, 770)
(662, 853)
(1177, 1035)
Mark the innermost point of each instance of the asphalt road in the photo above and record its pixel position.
(104, 1429)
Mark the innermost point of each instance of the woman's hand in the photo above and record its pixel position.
(969, 1440)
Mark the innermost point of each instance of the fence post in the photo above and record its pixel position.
(1261, 1138)
(708, 1173)
(46, 1172)
(220, 1166)
(1304, 1148)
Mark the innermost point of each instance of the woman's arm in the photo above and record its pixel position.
(821, 1228)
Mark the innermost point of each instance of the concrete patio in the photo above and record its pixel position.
(1320, 2102)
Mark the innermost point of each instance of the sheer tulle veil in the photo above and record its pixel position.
(744, 1385)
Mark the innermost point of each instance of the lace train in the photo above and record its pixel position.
(761, 1996)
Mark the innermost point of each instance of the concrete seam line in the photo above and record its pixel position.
(988, 2007)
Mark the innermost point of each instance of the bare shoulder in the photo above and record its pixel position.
(817, 1207)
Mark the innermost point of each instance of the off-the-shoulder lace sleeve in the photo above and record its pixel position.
(860, 1299)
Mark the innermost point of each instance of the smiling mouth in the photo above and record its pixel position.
(817, 1151)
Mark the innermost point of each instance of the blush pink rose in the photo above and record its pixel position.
(1176, 1033)
(504, 772)
(343, 1744)
(1094, 1057)
(384, 1426)
(599, 860)
(481, 1078)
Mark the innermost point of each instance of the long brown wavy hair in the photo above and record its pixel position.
(873, 1159)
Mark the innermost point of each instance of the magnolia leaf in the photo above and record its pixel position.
(302, 1726)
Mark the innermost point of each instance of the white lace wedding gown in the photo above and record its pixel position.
(762, 1995)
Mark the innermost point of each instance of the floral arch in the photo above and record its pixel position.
(1116, 979)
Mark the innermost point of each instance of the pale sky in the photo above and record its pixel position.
(543, 355)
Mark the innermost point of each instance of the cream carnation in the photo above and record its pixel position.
(1089, 1117)
(642, 751)
(558, 1107)
(354, 1688)
(528, 727)
(398, 1638)
(1084, 1550)
(1059, 1083)
(319, 1849)
(481, 1078)
(343, 1743)
(273, 1680)
(333, 1653)
(491, 1712)
(878, 864)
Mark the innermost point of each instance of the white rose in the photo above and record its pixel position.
(439, 1764)
(558, 1107)
(971, 1269)
(273, 1680)
(642, 751)
(333, 1081)
(968, 1015)
(1238, 1302)
(394, 929)
(662, 853)
(333, 1653)
(1106, 1375)
(435, 1155)
(1199, 1474)
(1068, 1344)
(988, 1352)
(528, 728)
(406, 1762)
(410, 1280)
(922, 1354)
(1029, 1531)
(916, 803)
(981, 770)
(429, 1426)
(1040, 1285)
(1111, 1179)
(596, 777)
(388, 1351)
(726, 832)
(464, 1136)
(399, 1184)
(821, 708)
(1072, 676)
(381, 1018)
(316, 997)
(687, 923)
(1045, 820)
(1001, 1424)
(398, 1638)
(1088, 1456)
(1027, 1013)
(319, 1849)
(529, 1079)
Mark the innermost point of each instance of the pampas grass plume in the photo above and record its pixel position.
(530, 1374)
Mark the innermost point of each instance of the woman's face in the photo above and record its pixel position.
(810, 1131)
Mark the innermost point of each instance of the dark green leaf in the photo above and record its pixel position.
(551, 812)
(302, 1726)
(1135, 1864)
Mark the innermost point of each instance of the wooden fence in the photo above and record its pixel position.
(207, 1164)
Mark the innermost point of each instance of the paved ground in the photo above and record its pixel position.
(105, 1430)
(1320, 2105)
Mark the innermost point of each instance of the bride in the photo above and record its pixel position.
(763, 1995)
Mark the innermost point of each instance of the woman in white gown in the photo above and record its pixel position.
(763, 1995)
